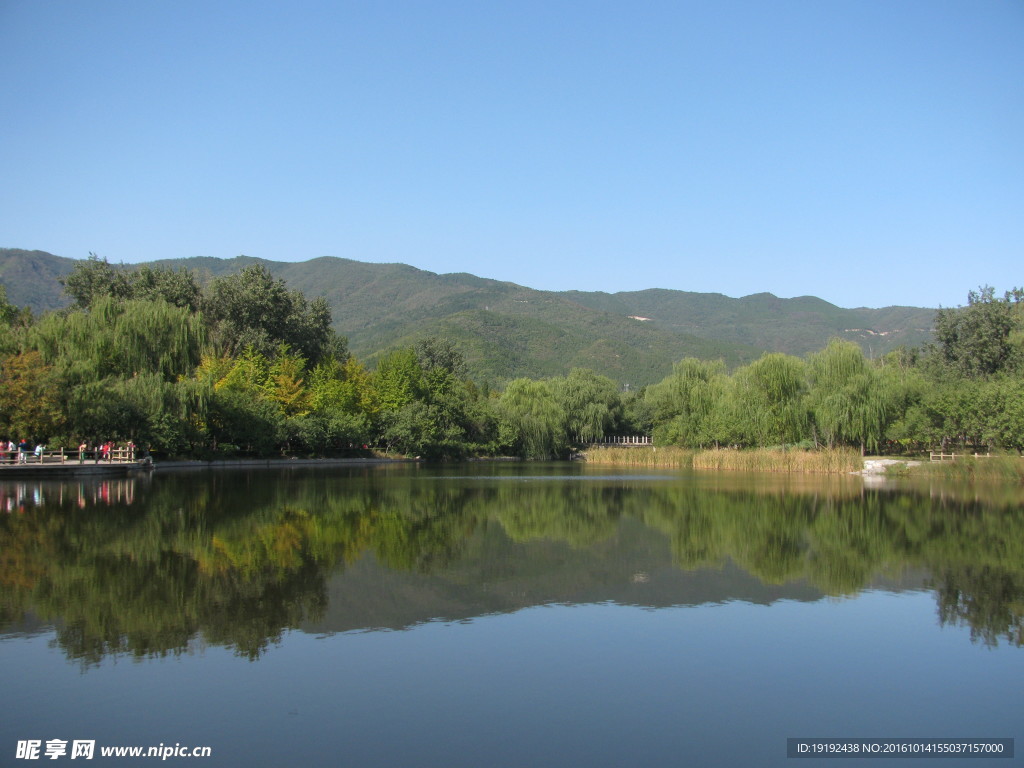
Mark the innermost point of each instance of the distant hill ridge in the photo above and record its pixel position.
(508, 330)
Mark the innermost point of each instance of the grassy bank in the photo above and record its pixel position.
(838, 461)
(969, 468)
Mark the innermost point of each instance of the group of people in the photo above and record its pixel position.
(105, 451)
(19, 452)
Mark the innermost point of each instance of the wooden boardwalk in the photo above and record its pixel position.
(122, 455)
(57, 463)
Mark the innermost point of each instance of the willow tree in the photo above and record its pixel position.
(107, 360)
(533, 422)
(164, 416)
(121, 338)
(687, 405)
(769, 400)
(591, 402)
(852, 401)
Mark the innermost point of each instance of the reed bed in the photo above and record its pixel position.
(825, 461)
(666, 458)
(834, 461)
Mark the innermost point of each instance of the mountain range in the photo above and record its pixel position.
(507, 330)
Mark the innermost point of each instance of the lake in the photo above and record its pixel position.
(504, 614)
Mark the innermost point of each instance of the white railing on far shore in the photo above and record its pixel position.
(626, 441)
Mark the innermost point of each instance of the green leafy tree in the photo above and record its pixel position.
(29, 397)
(285, 383)
(342, 387)
(8, 312)
(95, 278)
(425, 406)
(398, 379)
(253, 309)
(976, 340)
(13, 324)
(1000, 412)
(178, 287)
(439, 354)
(238, 421)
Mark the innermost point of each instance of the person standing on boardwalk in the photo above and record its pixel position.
(23, 448)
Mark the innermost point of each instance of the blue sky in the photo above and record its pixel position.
(870, 152)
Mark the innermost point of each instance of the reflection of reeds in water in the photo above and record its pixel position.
(836, 461)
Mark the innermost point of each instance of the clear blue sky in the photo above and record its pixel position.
(870, 152)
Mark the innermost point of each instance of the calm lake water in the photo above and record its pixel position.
(505, 615)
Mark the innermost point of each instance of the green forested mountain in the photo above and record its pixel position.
(507, 330)
(796, 326)
(32, 278)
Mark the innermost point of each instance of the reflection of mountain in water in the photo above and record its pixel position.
(495, 578)
(238, 558)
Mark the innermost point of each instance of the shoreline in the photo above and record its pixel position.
(75, 469)
(276, 463)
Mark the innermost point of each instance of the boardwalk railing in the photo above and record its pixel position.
(622, 441)
(119, 455)
(933, 456)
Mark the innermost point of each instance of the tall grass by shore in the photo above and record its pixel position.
(667, 458)
(835, 461)
(981, 469)
(825, 461)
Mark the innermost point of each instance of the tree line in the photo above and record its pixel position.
(245, 366)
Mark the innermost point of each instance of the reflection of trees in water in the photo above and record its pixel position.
(239, 559)
(579, 516)
(988, 600)
(157, 607)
